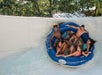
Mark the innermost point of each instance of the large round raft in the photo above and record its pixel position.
(70, 61)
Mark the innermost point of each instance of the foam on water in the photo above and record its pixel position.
(35, 61)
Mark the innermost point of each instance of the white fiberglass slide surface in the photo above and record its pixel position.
(23, 50)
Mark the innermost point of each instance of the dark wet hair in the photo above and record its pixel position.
(55, 26)
(92, 42)
(82, 25)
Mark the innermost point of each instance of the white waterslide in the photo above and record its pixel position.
(23, 51)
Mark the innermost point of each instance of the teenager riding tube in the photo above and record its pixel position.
(69, 61)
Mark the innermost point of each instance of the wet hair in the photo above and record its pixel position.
(92, 42)
(55, 26)
(82, 25)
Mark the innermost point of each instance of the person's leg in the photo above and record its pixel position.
(58, 49)
(60, 44)
(64, 46)
(72, 49)
(58, 53)
(75, 40)
(71, 38)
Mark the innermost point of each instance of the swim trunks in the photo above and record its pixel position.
(84, 47)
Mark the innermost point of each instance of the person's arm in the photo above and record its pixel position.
(51, 41)
(85, 54)
(72, 54)
(57, 54)
(72, 26)
(71, 38)
(88, 47)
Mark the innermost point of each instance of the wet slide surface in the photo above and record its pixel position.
(34, 60)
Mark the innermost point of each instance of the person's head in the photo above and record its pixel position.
(55, 27)
(82, 26)
(88, 41)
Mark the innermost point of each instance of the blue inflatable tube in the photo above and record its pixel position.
(70, 61)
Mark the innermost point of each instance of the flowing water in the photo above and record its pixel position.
(35, 61)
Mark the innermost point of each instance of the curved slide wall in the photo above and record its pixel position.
(21, 33)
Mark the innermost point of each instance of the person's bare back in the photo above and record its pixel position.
(57, 34)
(80, 32)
